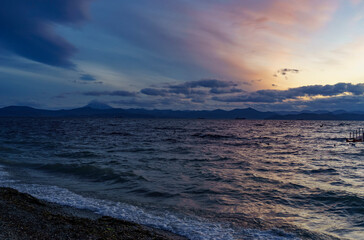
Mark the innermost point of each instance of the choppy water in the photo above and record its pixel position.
(204, 179)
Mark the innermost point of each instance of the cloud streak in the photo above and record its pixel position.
(245, 35)
(27, 29)
(87, 77)
(119, 93)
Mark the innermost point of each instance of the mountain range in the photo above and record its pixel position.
(103, 110)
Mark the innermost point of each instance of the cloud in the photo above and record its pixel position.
(199, 87)
(188, 88)
(87, 77)
(226, 90)
(349, 103)
(208, 83)
(141, 103)
(27, 29)
(276, 96)
(285, 71)
(230, 95)
(247, 36)
(355, 2)
(192, 93)
(154, 92)
(119, 93)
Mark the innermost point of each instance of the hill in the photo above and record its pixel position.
(103, 110)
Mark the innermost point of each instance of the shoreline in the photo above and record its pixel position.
(23, 216)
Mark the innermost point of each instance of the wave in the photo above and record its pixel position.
(329, 171)
(124, 134)
(81, 154)
(86, 171)
(336, 139)
(170, 128)
(133, 150)
(281, 184)
(349, 203)
(5, 177)
(9, 150)
(212, 136)
(192, 227)
(153, 194)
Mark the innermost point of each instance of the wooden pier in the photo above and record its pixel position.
(356, 136)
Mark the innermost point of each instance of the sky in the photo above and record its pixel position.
(183, 54)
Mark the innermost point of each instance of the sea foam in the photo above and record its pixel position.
(194, 228)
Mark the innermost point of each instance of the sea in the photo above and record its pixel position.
(199, 178)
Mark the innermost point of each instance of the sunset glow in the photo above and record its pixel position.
(130, 46)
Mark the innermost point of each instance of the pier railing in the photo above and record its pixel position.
(356, 136)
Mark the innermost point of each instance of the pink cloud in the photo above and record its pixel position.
(231, 39)
(240, 39)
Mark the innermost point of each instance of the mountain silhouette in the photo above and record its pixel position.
(97, 109)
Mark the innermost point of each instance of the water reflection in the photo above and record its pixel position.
(248, 173)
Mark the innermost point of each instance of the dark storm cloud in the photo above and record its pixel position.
(199, 87)
(87, 77)
(27, 29)
(258, 96)
(186, 90)
(271, 96)
(119, 93)
(154, 92)
(226, 90)
(208, 83)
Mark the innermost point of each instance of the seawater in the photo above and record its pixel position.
(203, 179)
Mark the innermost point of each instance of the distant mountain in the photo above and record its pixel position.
(22, 111)
(103, 110)
(98, 105)
(248, 113)
(18, 111)
(97, 109)
(341, 112)
(358, 112)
